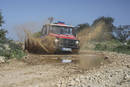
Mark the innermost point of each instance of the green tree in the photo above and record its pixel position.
(108, 22)
(122, 34)
(2, 31)
(1, 19)
(107, 27)
(3, 34)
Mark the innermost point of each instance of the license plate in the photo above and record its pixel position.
(66, 49)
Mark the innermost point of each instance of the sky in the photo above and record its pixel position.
(17, 12)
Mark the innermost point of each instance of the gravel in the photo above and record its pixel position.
(116, 74)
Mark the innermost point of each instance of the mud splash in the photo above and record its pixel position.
(90, 61)
(28, 26)
(25, 33)
(39, 44)
(90, 34)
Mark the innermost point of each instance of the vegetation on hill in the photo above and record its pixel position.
(114, 46)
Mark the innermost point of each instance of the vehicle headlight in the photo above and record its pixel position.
(56, 40)
(77, 42)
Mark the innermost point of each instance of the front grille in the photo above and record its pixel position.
(68, 43)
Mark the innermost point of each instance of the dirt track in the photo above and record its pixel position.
(34, 71)
(50, 73)
(20, 74)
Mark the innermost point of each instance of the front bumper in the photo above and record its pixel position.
(67, 45)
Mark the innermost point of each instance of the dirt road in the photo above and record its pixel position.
(34, 71)
(54, 73)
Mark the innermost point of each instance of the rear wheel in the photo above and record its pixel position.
(29, 45)
(25, 45)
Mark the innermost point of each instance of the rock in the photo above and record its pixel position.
(128, 66)
(127, 77)
(2, 59)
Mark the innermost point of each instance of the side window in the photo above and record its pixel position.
(50, 29)
(74, 31)
(44, 30)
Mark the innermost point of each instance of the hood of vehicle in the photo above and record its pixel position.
(63, 36)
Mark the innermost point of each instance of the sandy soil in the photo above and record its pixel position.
(37, 73)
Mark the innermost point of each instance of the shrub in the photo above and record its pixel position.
(128, 42)
(114, 46)
(100, 47)
(14, 51)
(122, 49)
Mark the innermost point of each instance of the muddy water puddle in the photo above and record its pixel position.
(48, 60)
(85, 61)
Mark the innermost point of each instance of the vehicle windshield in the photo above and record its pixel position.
(61, 30)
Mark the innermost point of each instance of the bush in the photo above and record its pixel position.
(100, 47)
(122, 49)
(12, 51)
(114, 46)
